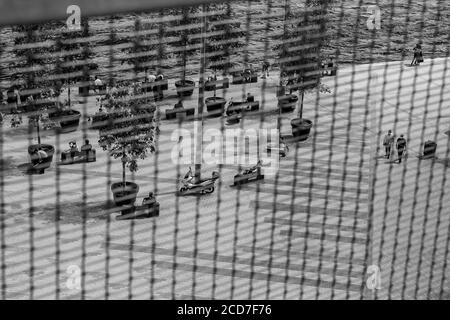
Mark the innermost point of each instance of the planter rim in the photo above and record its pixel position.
(302, 121)
(215, 99)
(115, 185)
(49, 146)
(65, 113)
(187, 81)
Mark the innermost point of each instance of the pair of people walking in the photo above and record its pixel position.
(400, 145)
(418, 55)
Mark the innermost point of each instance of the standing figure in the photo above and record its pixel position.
(418, 55)
(401, 147)
(159, 79)
(388, 141)
(265, 69)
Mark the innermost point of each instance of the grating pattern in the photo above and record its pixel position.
(334, 220)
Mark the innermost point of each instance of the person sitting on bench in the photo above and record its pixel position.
(179, 104)
(150, 200)
(98, 84)
(73, 149)
(247, 75)
(86, 147)
(250, 97)
(37, 156)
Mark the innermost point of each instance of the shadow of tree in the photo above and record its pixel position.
(77, 212)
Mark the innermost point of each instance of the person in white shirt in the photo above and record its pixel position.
(98, 83)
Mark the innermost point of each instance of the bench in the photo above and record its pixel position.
(238, 107)
(172, 113)
(217, 84)
(240, 77)
(153, 86)
(79, 156)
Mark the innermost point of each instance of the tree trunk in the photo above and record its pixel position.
(300, 111)
(184, 63)
(123, 173)
(68, 92)
(38, 131)
(215, 83)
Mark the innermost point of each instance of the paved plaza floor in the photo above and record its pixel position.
(333, 208)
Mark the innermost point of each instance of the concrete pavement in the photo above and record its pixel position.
(301, 233)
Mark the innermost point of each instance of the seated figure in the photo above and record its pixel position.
(179, 105)
(150, 200)
(87, 146)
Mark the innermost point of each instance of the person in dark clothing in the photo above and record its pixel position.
(87, 146)
(179, 104)
(150, 200)
(265, 69)
(387, 143)
(159, 87)
(418, 55)
(401, 147)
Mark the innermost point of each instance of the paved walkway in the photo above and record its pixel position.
(300, 233)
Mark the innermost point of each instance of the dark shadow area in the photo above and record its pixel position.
(73, 212)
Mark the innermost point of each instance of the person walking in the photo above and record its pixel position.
(265, 69)
(401, 147)
(388, 141)
(418, 55)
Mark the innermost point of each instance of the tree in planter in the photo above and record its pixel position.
(223, 39)
(184, 31)
(129, 134)
(73, 55)
(300, 55)
(144, 48)
(36, 98)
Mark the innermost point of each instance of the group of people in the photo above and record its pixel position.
(73, 148)
(400, 145)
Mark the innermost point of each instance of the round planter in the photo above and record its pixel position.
(68, 119)
(45, 164)
(185, 88)
(287, 102)
(301, 128)
(215, 105)
(124, 196)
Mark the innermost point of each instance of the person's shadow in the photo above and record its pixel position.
(27, 169)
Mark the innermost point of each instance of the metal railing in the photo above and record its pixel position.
(308, 87)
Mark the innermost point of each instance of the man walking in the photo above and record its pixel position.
(401, 147)
(387, 143)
